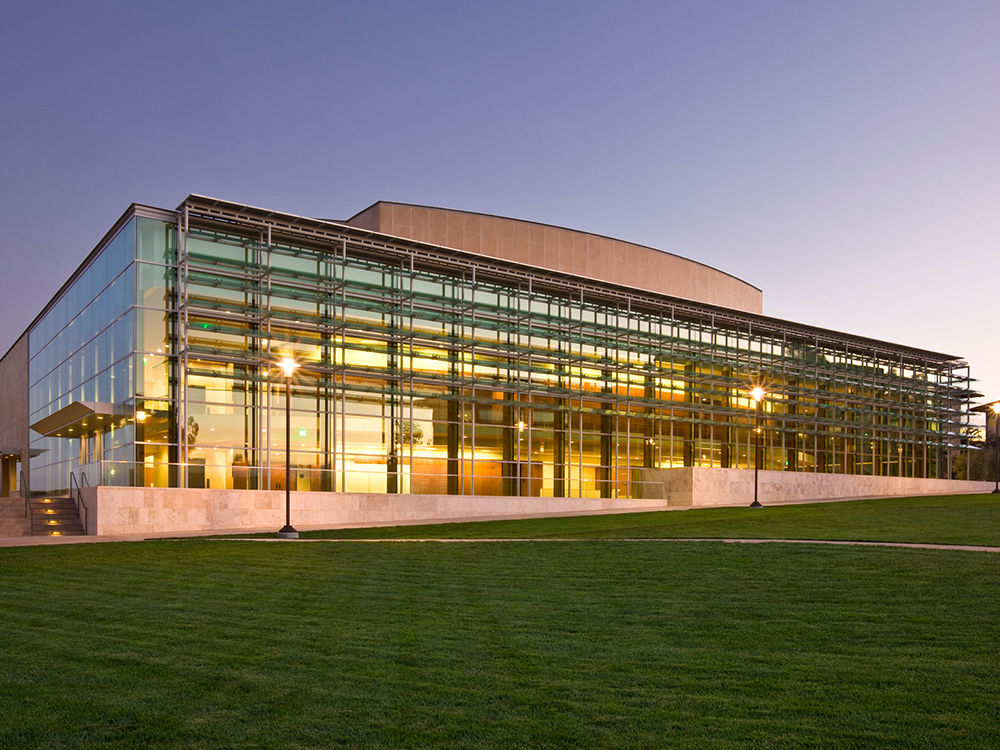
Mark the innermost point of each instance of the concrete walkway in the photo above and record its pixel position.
(911, 545)
(36, 541)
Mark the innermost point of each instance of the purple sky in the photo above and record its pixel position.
(843, 156)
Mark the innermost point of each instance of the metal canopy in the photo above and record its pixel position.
(77, 418)
(16, 451)
(213, 214)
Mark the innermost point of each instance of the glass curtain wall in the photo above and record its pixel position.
(80, 352)
(426, 374)
(414, 380)
(156, 366)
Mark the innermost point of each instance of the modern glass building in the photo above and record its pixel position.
(428, 367)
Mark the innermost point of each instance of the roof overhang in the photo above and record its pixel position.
(239, 218)
(16, 452)
(77, 418)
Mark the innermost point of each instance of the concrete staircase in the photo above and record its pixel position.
(55, 515)
(12, 519)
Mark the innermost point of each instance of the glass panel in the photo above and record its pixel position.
(154, 285)
(156, 425)
(104, 392)
(223, 426)
(154, 375)
(111, 262)
(152, 331)
(208, 249)
(127, 249)
(121, 386)
(155, 241)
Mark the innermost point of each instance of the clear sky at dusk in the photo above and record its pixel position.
(842, 156)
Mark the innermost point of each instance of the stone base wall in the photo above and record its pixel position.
(145, 510)
(13, 522)
(140, 510)
(696, 486)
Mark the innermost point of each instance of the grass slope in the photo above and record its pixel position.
(214, 644)
(956, 519)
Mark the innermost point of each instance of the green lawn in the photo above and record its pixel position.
(956, 519)
(210, 644)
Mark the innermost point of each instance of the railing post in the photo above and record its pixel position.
(29, 512)
(79, 502)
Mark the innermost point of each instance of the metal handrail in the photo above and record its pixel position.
(79, 501)
(29, 512)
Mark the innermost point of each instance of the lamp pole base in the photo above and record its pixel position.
(996, 491)
(287, 532)
(755, 504)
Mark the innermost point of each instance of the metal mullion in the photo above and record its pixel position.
(343, 371)
(410, 395)
(472, 365)
(268, 390)
(834, 372)
(183, 377)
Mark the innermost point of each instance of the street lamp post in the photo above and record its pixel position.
(757, 394)
(996, 444)
(288, 367)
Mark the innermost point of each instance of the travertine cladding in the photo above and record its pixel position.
(14, 403)
(13, 521)
(14, 394)
(696, 486)
(141, 510)
(565, 250)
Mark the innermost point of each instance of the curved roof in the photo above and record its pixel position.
(556, 248)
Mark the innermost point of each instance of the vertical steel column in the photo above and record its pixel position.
(531, 388)
(628, 397)
(182, 380)
(996, 444)
(472, 380)
(411, 381)
(266, 469)
(343, 366)
(924, 400)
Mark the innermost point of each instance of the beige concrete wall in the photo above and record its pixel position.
(13, 521)
(554, 248)
(696, 486)
(14, 399)
(139, 510)
(367, 219)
